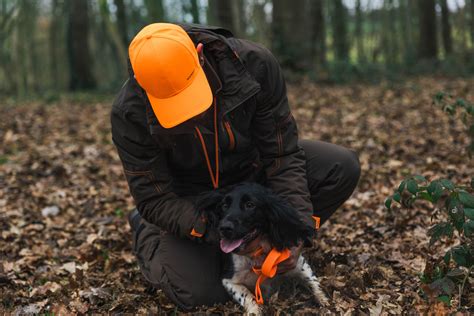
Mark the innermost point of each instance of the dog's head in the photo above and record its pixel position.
(248, 210)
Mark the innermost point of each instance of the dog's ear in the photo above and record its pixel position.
(285, 229)
(208, 204)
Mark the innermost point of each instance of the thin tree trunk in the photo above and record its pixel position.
(341, 46)
(122, 24)
(428, 44)
(318, 34)
(239, 20)
(472, 23)
(406, 31)
(224, 14)
(195, 11)
(289, 34)
(446, 28)
(212, 12)
(53, 44)
(358, 33)
(156, 11)
(80, 62)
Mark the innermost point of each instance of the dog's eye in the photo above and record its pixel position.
(249, 205)
(225, 206)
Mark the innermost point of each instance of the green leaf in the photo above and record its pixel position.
(468, 228)
(447, 257)
(461, 256)
(456, 273)
(466, 199)
(401, 187)
(412, 186)
(425, 196)
(445, 299)
(420, 178)
(447, 184)
(469, 212)
(440, 230)
(435, 189)
(388, 203)
(445, 285)
(397, 197)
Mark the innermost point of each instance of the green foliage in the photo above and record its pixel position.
(460, 107)
(456, 204)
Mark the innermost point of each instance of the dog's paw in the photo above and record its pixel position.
(254, 309)
(322, 300)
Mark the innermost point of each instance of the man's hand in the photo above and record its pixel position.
(290, 263)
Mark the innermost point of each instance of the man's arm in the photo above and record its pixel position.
(276, 135)
(146, 169)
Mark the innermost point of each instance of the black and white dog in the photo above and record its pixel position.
(243, 213)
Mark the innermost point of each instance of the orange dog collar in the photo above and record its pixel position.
(268, 269)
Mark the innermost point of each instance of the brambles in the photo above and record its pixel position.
(451, 106)
(453, 206)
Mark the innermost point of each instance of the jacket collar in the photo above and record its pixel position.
(231, 82)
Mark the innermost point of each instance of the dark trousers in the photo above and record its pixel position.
(190, 273)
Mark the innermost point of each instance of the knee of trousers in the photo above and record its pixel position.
(181, 282)
(351, 168)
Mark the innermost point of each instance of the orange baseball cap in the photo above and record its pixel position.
(166, 65)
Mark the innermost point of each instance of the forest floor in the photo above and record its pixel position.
(65, 243)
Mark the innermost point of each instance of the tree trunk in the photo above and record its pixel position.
(409, 52)
(318, 32)
(289, 34)
(446, 28)
(53, 44)
(225, 17)
(212, 12)
(156, 11)
(428, 44)
(80, 63)
(472, 24)
(359, 34)
(239, 20)
(341, 46)
(195, 11)
(122, 22)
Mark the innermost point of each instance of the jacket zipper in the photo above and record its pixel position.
(230, 134)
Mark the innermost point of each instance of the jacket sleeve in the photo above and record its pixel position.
(276, 136)
(146, 170)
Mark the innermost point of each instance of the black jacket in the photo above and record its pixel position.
(258, 139)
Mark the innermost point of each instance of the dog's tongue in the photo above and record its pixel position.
(230, 245)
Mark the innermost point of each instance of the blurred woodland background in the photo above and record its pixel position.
(52, 46)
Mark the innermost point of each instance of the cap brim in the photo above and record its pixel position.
(192, 101)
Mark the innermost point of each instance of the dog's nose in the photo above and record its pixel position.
(226, 228)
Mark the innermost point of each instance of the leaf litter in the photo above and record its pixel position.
(66, 245)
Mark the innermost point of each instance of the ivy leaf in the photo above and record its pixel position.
(447, 184)
(412, 186)
(388, 203)
(468, 228)
(440, 230)
(466, 199)
(469, 212)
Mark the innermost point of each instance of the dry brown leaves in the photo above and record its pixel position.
(65, 243)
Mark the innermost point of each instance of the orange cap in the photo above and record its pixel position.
(166, 65)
